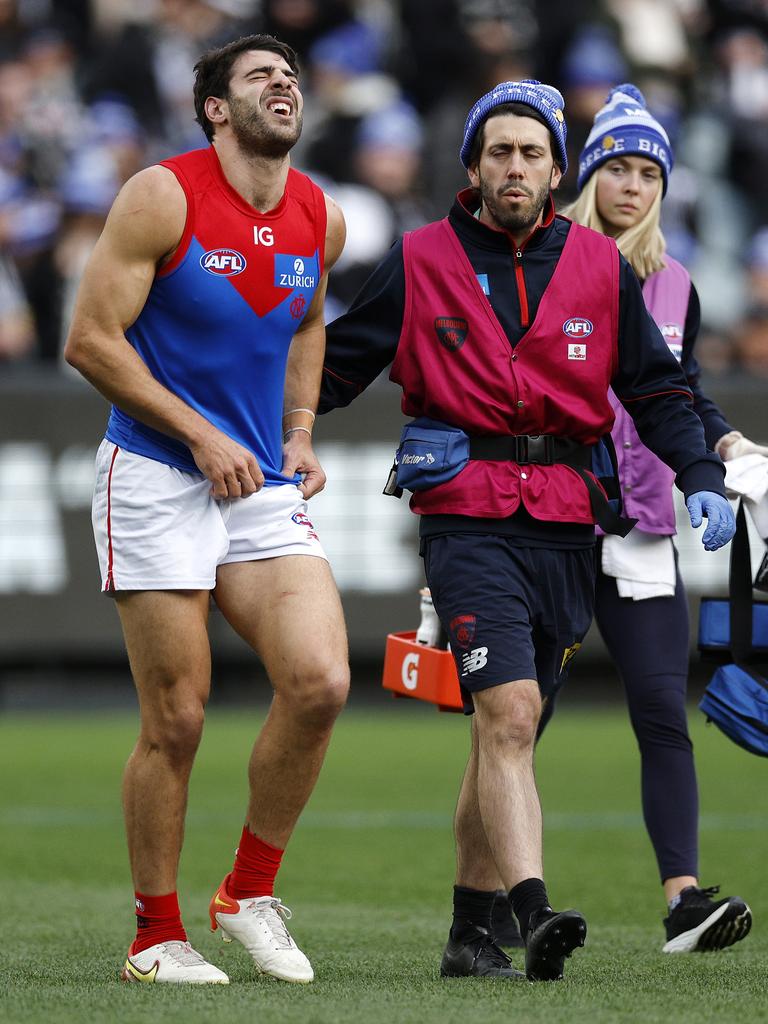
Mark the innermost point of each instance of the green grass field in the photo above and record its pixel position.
(368, 875)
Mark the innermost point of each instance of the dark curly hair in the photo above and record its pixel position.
(214, 70)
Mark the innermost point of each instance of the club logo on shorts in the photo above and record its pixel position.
(451, 331)
(302, 519)
(462, 630)
(223, 262)
(578, 327)
(474, 660)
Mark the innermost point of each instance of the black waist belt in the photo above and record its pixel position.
(549, 450)
(541, 449)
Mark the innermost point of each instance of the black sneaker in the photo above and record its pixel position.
(698, 923)
(506, 931)
(476, 955)
(551, 938)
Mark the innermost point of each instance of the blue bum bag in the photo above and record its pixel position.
(430, 453)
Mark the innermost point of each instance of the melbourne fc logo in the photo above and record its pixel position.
(451, 331)
(578, 327)
(463, 630)
(223, 262)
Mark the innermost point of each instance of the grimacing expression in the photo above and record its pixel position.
(626, 189)
(265, 104)
(516, 171)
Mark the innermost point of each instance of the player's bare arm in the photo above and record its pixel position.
(304, 369)
(142, 231)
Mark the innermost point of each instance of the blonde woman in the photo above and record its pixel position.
(641, 606)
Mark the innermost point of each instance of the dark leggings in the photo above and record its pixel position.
(648, 641)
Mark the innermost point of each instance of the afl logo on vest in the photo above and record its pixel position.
(223, 262)
(578, 327)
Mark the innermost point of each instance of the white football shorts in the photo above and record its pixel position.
(158, 528)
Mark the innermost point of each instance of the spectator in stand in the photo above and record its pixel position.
(348, 82)
(385, 201)
(148, 64)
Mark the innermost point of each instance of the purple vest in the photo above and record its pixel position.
(455, 363)
(646, 482)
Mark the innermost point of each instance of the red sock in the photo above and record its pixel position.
(256, 864)
(158, 919)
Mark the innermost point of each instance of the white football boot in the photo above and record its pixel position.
(175, 962)
(258, 923)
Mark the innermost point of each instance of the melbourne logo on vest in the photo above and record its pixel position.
(223, 262)
(451, 331)
(296, 272)
(673, 335)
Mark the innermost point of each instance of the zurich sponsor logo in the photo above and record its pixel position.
(578, 327)
(223, 262)
(296, 272)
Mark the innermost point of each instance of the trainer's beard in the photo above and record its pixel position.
(514, 220)
(256, 137)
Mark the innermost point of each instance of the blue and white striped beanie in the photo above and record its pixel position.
(624, 127)
(543, 98)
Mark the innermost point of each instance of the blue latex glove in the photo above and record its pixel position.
(721, 524)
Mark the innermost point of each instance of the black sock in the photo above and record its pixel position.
(471, 907)
(528, 897)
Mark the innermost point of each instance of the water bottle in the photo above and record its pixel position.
(429, 631)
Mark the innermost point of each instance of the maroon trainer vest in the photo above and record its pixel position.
(455, 363)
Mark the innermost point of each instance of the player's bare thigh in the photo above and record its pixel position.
(166, 636)
(288, 610)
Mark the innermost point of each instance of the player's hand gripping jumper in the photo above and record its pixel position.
(721, 522)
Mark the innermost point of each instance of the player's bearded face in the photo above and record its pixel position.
(522, 218)
(260, 132)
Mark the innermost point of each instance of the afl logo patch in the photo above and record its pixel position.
(578, 327)
(223, 262)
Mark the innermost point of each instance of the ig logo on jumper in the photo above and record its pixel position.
(223, 262)
(578, 327)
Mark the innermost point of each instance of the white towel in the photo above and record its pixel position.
(643, 564)
(747, 477)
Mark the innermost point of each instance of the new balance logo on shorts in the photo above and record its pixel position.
(473, 660)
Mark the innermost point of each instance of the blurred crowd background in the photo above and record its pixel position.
(93, 90)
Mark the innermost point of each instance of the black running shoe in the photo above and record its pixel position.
(550, 939)
(506, 931)
(476, 955)
(698, 923)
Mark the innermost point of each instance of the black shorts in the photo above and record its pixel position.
(509, 612)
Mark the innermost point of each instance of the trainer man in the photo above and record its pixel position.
(200, 317)
(511, 323)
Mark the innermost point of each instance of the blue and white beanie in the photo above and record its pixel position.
(543, 98)
(624, 127)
